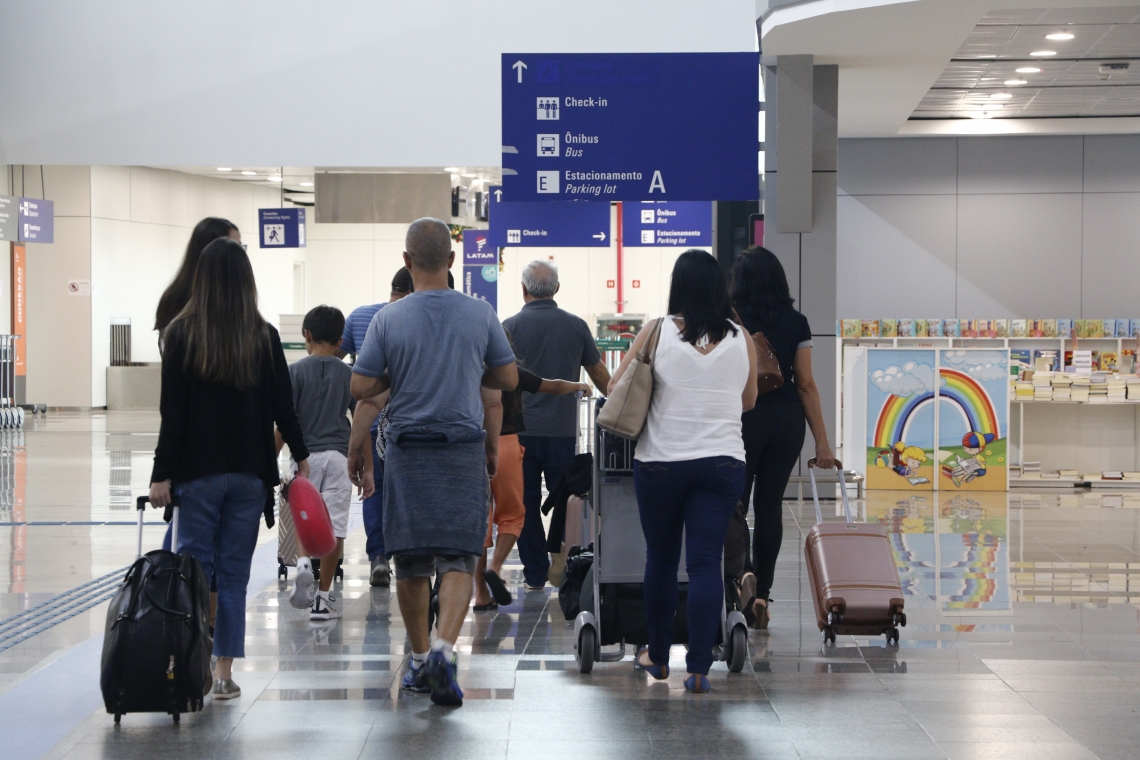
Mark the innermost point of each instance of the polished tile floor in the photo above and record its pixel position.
(1023, 642)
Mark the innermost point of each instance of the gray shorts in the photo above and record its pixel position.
(425, 565)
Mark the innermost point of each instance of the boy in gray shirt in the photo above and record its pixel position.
(322, 397)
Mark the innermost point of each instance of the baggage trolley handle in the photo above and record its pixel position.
(170, 515)
(842, 490)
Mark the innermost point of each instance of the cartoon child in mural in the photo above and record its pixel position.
(904, 460)
(973, 465)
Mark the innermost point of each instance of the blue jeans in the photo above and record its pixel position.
(545, 456)
(694, 499)
(218, 525)
(373, 508)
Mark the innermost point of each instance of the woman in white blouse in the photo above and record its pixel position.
(689, 470)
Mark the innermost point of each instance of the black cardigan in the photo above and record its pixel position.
(210, 429)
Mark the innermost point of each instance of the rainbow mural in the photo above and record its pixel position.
(958, 388)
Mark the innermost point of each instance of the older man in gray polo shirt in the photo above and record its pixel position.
(554, 344)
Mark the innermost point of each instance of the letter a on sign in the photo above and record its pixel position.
(657, 183)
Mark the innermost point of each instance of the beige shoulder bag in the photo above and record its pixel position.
(626, 409)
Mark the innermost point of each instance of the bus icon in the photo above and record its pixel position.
(548, 145)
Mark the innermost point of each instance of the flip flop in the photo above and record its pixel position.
(498, 588)
(660, 672)
(697, 684)
(488, 607)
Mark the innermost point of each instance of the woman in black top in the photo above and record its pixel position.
(774, 430)
(176, 295)
(224, 386)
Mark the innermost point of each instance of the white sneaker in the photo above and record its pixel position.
(304, 585)
(324, 607)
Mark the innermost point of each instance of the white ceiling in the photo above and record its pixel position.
(940, 60)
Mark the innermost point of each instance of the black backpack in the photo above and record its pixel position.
(578, 564)
(157, 645)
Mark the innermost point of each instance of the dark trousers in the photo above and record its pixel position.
(546, 456)
(773, 438)
(372, 510)
(694, 499)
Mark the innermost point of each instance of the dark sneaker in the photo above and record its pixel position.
(415, 679)
(443, 678)
(498, 588)
(381, 574)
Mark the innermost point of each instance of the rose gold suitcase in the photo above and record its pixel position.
(852, 573)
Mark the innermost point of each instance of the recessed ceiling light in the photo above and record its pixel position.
(1043, 53)
(306, 184)
(452, 169)
(1001, 96)
(274, 179)
(1059, 36)
(981, 115)
(1029, 70)
(224, 169)
(250, 174)
(1015, 82)
(469, 176)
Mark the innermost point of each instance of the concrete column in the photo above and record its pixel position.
(806, 247)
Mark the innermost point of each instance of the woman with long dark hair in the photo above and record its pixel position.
(225, 385)
(689, 462)
(178, 292)
(774, 430)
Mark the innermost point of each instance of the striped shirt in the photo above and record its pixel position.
(356, 326)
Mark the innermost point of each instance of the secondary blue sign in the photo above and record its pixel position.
(281, 227)
(37, 220)
(570, 224)
(478, 248)
(630, 126)
(482, 282)
(686, 223)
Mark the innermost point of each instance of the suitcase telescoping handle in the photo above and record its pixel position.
(170, 515)
(842, 490)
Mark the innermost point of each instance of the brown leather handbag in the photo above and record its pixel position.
(627, 408)
(768, 374)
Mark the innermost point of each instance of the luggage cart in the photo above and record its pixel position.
(11, 415)
(613, 611)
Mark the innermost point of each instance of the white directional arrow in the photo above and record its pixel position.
(498, 196)
(599, 236)
(519, 66)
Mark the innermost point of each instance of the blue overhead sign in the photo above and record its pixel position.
(281, 227)
(570, 224)
(630, 126)
(686, 223)
(37, 220)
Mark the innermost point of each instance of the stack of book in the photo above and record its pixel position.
(1117, 389)
(1098, 388)
(1132, 384)
(1042, 386)
(1031, 469)
(1062, 387)
(1023, 390)
(1068, 474)
(1132, 477)
(1080, 389)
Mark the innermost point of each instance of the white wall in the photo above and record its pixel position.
(141, 220)
(989, 227)
(353, 83)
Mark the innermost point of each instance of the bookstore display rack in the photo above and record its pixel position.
(1070, 426)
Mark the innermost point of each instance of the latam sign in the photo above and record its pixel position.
(478, 249)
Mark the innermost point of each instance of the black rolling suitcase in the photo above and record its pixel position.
(156, 649)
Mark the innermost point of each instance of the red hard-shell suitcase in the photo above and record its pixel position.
(852, 573)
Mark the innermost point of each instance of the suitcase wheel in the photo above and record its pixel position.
(587, 649)
(177, 718)
(898, 619)
(118, 717)
(893, 637)
(282, 570)
(828, 636)
(834, 619)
